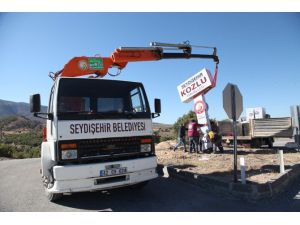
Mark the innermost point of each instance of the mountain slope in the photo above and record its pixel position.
(9, 108)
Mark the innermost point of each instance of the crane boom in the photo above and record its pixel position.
(80, 66)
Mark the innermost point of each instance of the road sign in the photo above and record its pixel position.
(199, 107)
(232, 101)
(195, 85)
(233, 106)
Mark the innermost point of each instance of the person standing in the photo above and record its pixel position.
(216, 140)
(193, 135)
(200, 141)
(181, 137)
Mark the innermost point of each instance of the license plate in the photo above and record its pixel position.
(113, 171)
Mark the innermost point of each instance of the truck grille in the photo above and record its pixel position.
(107, 149)
(97, 148)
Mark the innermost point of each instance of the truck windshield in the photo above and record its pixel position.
(102, 97)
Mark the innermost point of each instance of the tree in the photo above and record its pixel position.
(185, 119)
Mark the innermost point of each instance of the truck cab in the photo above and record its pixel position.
(98, 136)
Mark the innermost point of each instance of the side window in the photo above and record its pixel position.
(137, 100)
(74, 104)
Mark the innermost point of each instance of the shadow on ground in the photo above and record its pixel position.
(170, 195)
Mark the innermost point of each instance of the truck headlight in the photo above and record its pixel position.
(69, 154)
(146, 148)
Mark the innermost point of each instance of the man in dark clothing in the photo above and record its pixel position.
(193, 135)
(200, 141)
(181, 137)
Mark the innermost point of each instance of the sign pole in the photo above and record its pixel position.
(233, 106)
(234, 134)
(201, 111)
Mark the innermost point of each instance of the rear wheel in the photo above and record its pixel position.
(256, 143)
(270, 142)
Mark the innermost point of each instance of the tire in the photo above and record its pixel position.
(270, 142)
(139, 186)
(53, 197)
(256, 143)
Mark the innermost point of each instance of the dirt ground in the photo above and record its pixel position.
(262, 165)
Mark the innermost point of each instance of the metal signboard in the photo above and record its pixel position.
(195, 85)
(232, 96)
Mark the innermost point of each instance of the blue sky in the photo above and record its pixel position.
(260, 52)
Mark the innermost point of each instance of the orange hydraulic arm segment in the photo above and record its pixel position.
(80, 66)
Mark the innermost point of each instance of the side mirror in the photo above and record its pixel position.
(157, 106)
(35, 103)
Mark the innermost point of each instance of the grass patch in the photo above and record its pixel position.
(20, 146)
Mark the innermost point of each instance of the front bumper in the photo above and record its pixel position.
(78, 178)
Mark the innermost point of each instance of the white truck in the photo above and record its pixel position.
(98, 136)
(99, 132)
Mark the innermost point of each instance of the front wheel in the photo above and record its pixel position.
(139, 186)
(53, 197)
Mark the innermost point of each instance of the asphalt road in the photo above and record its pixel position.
(21, 190)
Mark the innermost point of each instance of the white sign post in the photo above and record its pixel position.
(193, 89)
(201, 110)
(281, 161)
(243, 170)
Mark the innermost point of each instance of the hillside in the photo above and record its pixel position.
(20, 137)
(9, 108)
(18, 124)
(18, 130)
(163, 132)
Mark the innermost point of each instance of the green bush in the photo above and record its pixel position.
(33, 139)
(35, 152)
(19, 152)
(5, 150)
(166, 138)
(20, 145)
(26, 152)
(156, 136)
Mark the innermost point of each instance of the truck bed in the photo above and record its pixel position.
(272, 127)
(258, 128)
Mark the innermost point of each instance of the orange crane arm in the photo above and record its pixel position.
(80, 66)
